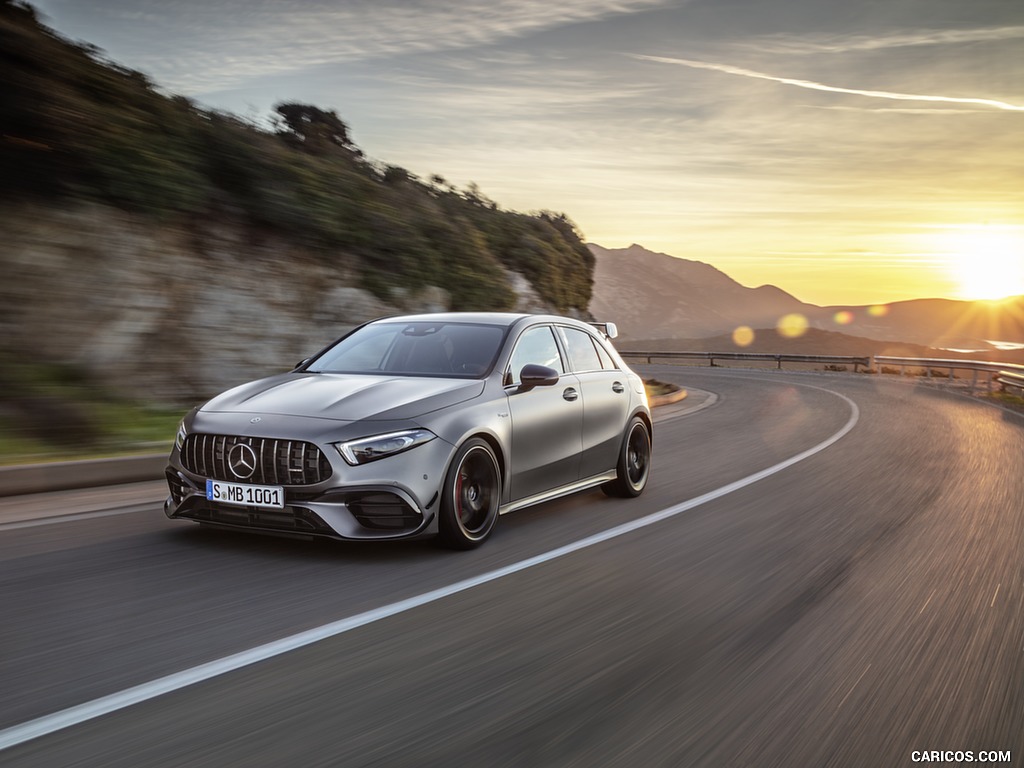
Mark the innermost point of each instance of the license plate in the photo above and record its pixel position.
(245, 495)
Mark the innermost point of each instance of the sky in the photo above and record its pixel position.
(847, 151)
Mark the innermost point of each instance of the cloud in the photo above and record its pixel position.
(922, 37)
(810, 84)
(896, 110)
(221, 44)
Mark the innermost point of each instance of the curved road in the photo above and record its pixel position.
(825, 570)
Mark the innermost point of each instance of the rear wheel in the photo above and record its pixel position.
(470, 497)
(634, 465)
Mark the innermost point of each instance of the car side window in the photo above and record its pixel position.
(538, 346)
(582, 353)
(606, 361)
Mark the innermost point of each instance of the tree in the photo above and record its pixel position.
(313, 129)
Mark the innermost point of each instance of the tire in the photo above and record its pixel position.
(470, 497)
(634, 467)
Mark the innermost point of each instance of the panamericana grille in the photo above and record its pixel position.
(278, 462)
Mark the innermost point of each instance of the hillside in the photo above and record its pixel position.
(78, 127)
(162, 251)
(656, 296)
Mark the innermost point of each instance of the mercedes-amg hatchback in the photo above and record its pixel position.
(426, 424)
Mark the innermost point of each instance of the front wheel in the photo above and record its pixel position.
(634, 465)
(470, 497)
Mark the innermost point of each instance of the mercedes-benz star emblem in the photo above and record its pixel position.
(242, 461)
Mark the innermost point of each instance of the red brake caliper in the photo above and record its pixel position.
(458, 498)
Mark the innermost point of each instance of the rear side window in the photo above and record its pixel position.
(606, 362)
(582, 353)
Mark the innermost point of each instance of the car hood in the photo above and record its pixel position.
(345, 397)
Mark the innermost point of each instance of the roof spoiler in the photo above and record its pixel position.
(610, 330)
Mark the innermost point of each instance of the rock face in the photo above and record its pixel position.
(173, 313)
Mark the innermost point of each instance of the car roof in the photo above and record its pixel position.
(485, 318)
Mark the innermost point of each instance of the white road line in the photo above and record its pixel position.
(67, 718)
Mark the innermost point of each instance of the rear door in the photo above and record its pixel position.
(605, 398)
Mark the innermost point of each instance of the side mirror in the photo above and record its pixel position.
(534, 375)
(611, 330)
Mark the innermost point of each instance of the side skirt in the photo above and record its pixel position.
(556, 493)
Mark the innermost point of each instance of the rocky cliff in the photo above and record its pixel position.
(175, 312)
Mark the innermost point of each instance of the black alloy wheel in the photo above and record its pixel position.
(634, 467)
(471, 496)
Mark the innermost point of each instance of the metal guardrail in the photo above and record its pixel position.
(1004, 374)
(998, 373)
(778, 359)
(1012, 379)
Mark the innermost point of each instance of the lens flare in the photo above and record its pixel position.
(843, 317)
(743, 336)
(879, 310)
(792, 326)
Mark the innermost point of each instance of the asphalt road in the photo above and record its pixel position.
(859, 602)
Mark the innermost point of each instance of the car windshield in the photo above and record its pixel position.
(463, 350)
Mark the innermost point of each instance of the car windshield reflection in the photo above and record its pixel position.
(437, 349)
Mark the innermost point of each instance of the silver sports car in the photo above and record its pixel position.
(426, 424)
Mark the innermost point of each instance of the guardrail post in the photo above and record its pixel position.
(974, 379)
(778, 359)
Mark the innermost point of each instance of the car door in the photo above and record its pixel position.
(605, 398)
(546, 420)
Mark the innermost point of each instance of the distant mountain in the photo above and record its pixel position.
(656, 296)
(811, 342)
(942, 323)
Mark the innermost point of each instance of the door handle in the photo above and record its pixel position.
(617, 387)
(570, 394)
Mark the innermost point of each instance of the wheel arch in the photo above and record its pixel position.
(499, 454)
(648, 421)
(495, 444)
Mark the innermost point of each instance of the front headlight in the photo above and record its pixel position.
(179, 441)
(367, 449)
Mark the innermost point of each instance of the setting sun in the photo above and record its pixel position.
(987, 263)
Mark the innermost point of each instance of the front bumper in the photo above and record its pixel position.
(395, 497)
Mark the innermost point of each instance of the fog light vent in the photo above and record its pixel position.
(383, 511)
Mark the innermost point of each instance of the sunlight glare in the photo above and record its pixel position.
(987, 262)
